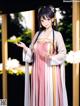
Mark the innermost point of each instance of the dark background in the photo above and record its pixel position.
(10, 6)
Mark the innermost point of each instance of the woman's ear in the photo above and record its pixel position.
(53, 19)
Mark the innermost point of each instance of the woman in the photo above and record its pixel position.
(47, 51)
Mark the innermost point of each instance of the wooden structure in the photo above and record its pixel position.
(76, 46)
(5, 49)
(4, 53)
(76, 43)
(33, 22)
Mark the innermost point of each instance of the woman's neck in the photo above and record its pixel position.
(47, 32)
(48, 29)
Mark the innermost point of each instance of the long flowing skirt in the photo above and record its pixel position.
(47, 85)
(47, 82)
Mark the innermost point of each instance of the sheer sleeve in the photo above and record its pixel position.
(59, 58)
(27, 55)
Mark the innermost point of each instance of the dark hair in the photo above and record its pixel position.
(47, 11)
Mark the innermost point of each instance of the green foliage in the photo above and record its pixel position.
(18, 39)
(0, 71)
(25, 37)
(24, 34)
(15, 28)
(65, 26)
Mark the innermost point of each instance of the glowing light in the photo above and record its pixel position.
(73, 57)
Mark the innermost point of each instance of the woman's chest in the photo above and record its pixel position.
(44, 37)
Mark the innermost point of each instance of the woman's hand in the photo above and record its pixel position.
(22, 45)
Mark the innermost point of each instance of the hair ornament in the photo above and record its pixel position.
(52, 9)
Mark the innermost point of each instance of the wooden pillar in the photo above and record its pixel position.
(4, 55)
(76, 42)
(33, 22)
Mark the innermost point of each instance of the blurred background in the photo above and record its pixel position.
(22, 23)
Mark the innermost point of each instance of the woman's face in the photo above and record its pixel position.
(46, 22)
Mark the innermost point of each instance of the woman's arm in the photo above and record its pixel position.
(27, 55)
(28, 52)
(59, 58)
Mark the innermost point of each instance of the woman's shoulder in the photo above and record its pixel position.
(36, 34)
(38, 31)
(57, 35)
(57, 32)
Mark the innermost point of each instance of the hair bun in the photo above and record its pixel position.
(42, 7)
(50, 6)
(52, 9)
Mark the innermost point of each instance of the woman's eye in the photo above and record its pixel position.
(48, 19)
(42, 20)
(45, 20)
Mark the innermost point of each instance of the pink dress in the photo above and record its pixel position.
(47, 80)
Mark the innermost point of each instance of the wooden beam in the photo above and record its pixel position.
(4, 55)
(76, 42)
